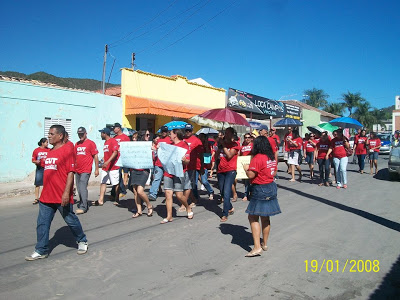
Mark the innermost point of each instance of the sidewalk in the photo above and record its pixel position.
(26, 187)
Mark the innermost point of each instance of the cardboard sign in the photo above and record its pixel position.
(135, 155)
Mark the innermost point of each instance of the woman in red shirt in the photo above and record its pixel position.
(360, 149)
(374, 144)
(228, 150)
(263, 193)
(323, 163)
(247, 146)
(295, 143)
(39, 154)
(310, 145)
(338, 147)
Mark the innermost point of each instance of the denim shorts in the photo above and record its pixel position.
(39, 176)
(177, 184)
(310, 158)
(373, 155)
(263, 200)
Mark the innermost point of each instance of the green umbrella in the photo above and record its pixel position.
(328, 127)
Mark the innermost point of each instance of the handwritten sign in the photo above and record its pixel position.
(242, 160)
(171, 159)
(135, 155)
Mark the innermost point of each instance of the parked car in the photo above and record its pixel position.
(351, 142)
(386, 141)
(394, 163)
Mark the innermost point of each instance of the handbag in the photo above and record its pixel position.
(349, 152)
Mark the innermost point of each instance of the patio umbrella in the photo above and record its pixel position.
(328, 127)
(175, 125)
(220, 118)
(346, 122)
(207, 130)
(287, 122)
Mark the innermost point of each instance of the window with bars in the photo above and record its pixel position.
(48, 122)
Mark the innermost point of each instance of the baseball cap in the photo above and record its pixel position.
(117, 125)
(164, 128)
(273, 129)
(189, 127)
(263, 127)
(105, 130)
(81, 130)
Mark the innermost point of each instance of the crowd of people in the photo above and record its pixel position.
(55, 169)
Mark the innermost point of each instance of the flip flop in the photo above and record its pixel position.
(165, 221)
(232, 211)
(190, 215)
(182, 209)
(150, 211)
(97, 203)
(137, 215)
(36, 201)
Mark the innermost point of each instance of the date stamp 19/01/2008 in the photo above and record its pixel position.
(350, 265)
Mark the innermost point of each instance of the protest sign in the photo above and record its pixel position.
(135, 155)
(171, 159)
(242, 160)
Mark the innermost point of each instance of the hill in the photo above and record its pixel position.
(74, 83)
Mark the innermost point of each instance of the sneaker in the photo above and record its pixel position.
(152, 198)
(203, 188)
(82, 247)
(35, 256)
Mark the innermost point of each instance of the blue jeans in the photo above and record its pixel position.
(45, 217)
(225, 181)
(204, 181)
(341, 170)
(155, 185)
(122, 188)
(324, 168)
(361, 161)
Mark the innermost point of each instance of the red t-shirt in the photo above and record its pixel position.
(338, 149)
(39, 153)
(264, 168)
(287, 149)
(84, 156)
(110, 146)
(226, 165)
(195, 149)
(299, 142)
(275, 137)
(246, 149)
(361, 145)
(167, 140)
(183, 145)
(309, 147)
(273, 144)
(375, 143)
(58, 164)
(323, 147)
(122, 138)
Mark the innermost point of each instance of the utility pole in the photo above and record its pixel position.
(133, 60)
(103, 81)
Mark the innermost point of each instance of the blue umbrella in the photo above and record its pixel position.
(287, 122)
(175, 125)
(207, 130)
(255, 125)
(346, 122)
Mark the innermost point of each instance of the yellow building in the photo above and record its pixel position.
(150, 100)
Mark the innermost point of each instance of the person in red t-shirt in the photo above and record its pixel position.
(57, 195)
(338, 147)
(228, 150)
(180, 185)
(85, 151)
(123, 179)
(286, 147)
(196, 164)
(158, 168)
(263, 193)
(205, 156)
(374, 144)
(309, 148)
(360, 149)
(39, 154)
(323, 163)
(295, 143)
(109, 171)
(247, 146)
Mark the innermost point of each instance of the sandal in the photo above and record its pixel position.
(190, 215)
(150, 211)
(136, 215)
(224, 219)
(232, 211)
(211, 197)
(165, 221)
(182, 209)
(96, 203)
(36, 201)
(321, 184)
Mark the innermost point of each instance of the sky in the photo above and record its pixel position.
(271, 48)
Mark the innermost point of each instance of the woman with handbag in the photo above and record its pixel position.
(340, 148)
(263, 193)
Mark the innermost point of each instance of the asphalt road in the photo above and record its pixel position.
(204, 259)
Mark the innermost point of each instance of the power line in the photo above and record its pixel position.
(136, 29)
(176, 27)
(152, 29)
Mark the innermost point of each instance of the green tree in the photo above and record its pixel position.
(364, 116)
(335, 108)
(352, 100)
(316, 98)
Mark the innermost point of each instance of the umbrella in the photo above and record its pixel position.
(347, 122)
(287, 122)
(129, 131)
(328, 127)
(175, 125)
(207, 130)
(220, 118)
(315, 129)
(255, 125)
